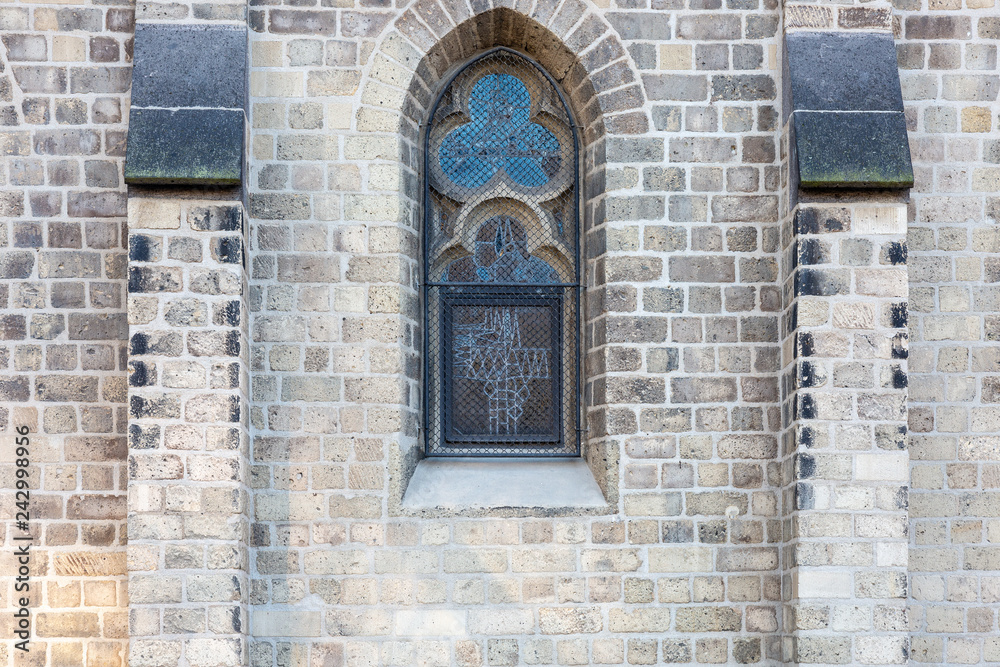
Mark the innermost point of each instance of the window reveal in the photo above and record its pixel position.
(501, 272)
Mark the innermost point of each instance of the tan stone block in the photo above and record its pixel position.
(976, 119)
(543, 560)
(808, 16)
(611, 560)
(277, 84)
(60, 596)
(951, 327)
(675, 56)
(289, 506)
(339, 115)
(286, 623)
(263, 146)
(154, 589)
(379, 95)
(372, 208)
(154, 652)
(986, 179)
(142, 558)
(331, 83)
(68, 49)
(881, 282)
(105, 654)
(569, 620)
(207, 652)
(359, 591)
(979, 448)
(858, 315)
(437, 622)
(377, 120)
(713, 474)
(182, 499)
(371, 534)
(372, 147)
(100, 593)
(266, 53)
(680, 559)
(608, 651)
(652, 504)
(944, 619)
(674, 590)
(639, 620)
(349, 623)
(708, 619)
(384, 177)
(761, 619)
(475, 560)
(46, 19)
(154, 213)
(813, 311)
(335, 562)
(389, 72)
(183, 374)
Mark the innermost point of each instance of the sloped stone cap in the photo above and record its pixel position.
(184, 146)
(188, 115)
(852, 149)
(843, 98)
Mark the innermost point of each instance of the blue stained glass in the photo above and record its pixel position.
(500, 136)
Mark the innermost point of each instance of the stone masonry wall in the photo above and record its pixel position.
(844, 451)
(64, 82)
(948, 66)
(678, 107)
(307, 557)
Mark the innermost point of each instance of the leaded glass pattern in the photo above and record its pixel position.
(501, 271)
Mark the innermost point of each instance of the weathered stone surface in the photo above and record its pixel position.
(189, 66)
(826, 150)
(844, 71)
(185, 146)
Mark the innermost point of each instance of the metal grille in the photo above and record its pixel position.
(501, 281)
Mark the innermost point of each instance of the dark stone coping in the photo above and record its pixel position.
(841, 71)
(185, 146)
(189, 66)
(851, 149)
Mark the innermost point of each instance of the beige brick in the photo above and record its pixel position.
(430, 623)
(569, 620)
(680, 559)
(675, 56)
(154, 214)
(286, 623)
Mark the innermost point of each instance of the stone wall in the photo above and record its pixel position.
(745, 350)
(64, 81)
(681, 233)
(948, 67)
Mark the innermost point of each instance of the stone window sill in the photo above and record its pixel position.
(461, 485)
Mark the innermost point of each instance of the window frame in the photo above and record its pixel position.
(575, 289)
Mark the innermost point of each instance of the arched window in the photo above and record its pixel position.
(501, 282)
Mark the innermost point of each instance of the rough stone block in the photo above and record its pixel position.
(185, 146)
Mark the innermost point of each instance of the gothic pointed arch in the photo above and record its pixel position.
(586, 59)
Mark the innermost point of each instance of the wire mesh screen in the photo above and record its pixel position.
(501, 269)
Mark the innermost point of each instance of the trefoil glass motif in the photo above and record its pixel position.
(499, 136)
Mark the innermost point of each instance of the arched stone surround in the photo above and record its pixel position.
(585, 56)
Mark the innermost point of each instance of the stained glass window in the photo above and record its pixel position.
(501, 273)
